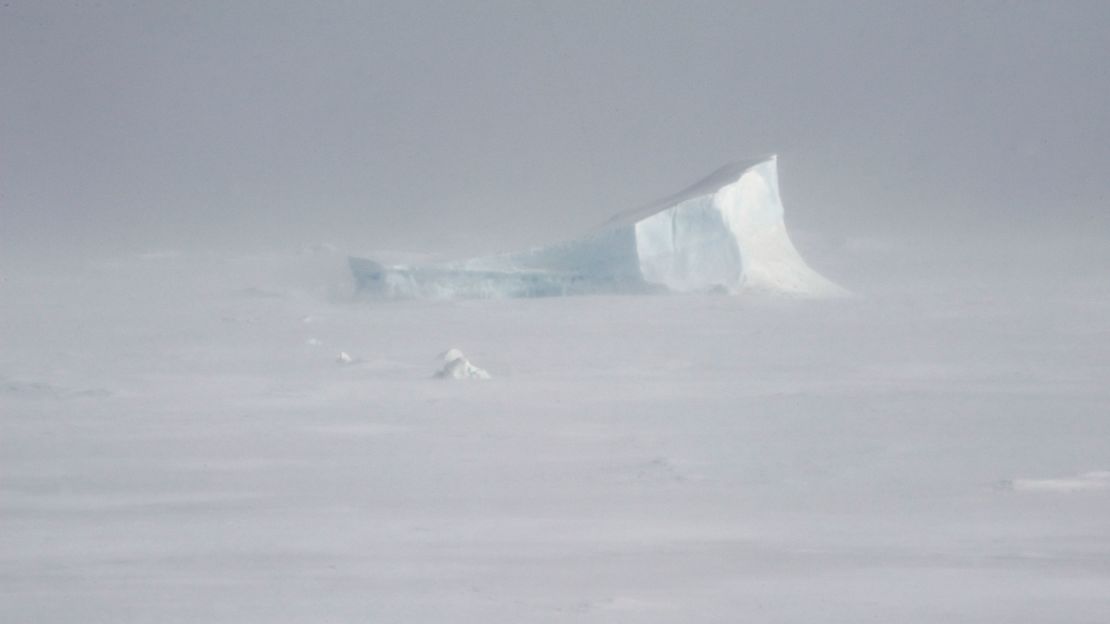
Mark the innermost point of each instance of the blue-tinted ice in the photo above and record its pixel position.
(725, 233)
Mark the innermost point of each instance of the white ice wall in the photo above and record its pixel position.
(752, 209)
(732, 237)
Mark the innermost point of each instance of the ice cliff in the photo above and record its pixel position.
(725, 233)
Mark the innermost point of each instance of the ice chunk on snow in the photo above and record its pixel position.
(1094, 480)
(456, 366)
(344, 358)
(725, 233)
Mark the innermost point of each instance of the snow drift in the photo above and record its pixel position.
(725, 233)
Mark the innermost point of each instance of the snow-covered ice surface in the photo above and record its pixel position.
(177, 444)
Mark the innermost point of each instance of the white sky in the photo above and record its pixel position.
(135, 125)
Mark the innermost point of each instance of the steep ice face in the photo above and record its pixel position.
(689, 247)
(753, 211)
(728, 235)
(724, 233)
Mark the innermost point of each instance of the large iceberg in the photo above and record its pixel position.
(725, 234)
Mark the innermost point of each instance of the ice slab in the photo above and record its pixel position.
(1093, 480)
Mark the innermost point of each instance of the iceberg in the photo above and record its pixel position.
(723, 234)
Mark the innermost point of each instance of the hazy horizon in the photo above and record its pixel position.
(127, 127)
(221, 309)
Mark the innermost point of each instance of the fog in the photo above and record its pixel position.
(430, 126)
(214, 409)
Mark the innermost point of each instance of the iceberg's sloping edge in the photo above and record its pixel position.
(723, 176)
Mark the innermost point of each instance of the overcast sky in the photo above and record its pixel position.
(150, 125)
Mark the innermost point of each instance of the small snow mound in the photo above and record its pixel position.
(456, 366)
(451, 355)
(1094, 480)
